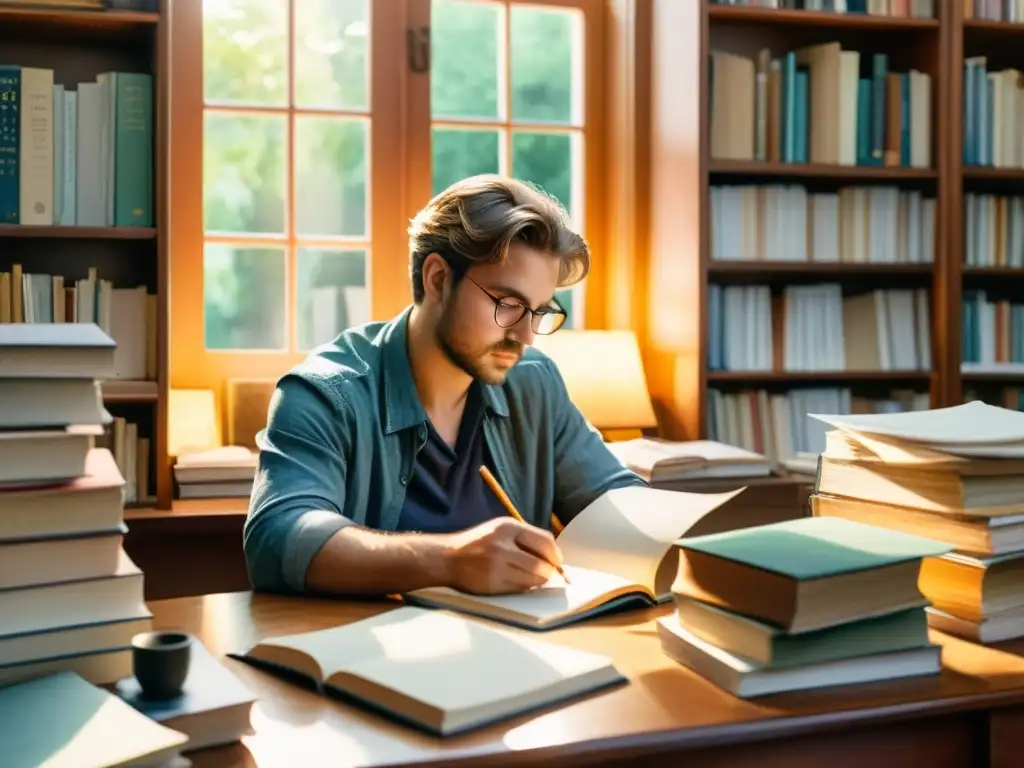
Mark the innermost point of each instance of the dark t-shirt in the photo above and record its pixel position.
(446, 492)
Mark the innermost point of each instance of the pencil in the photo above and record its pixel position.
(493, 484)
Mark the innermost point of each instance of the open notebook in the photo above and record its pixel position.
(619, 550)
(435, 670)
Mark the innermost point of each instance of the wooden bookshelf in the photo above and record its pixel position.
(684, 171)
(776, 377)
(78, 233)
(77, 46)
(754, 168)
(682, 275)
(970, 267)
(740, 14)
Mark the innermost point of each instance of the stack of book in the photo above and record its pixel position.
(70, 598)
(801, 604)
(665, 461)
(954, 474)
(224, 472)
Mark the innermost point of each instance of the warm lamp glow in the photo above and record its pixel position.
(192, 423)
(604, 375)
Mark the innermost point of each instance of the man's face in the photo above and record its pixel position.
(467, 331)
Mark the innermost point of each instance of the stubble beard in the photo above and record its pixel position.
(472, 365)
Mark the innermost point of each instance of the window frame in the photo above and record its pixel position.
(585, 124)
(399, 182)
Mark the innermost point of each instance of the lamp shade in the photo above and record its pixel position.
(193, 423)
(604, 375)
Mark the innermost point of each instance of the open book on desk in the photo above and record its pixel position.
(618, 551)
(438, 671)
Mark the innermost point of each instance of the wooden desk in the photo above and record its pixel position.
(193, 549)
(970, 715)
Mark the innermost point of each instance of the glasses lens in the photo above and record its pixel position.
(548, 323)
(507, 315)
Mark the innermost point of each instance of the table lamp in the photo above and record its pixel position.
(192, 421)
(605, 378)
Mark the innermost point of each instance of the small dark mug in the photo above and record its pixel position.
(160, 662)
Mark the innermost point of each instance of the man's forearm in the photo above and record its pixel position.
(359, 561)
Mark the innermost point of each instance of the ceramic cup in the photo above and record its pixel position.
(160, 662)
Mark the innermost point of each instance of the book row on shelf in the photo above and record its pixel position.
(905, 9)
(812, 105)
(994, 10)
(76, 154)
(820, 329)
(127, 315)
(993, 333)
(776, 424)
(132, 454)
(993, 230)
(993, 104)
(790, 223)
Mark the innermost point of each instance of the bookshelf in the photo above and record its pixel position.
(78, 46)
(986, 264)
(878, 230)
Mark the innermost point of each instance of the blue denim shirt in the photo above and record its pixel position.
(343, 431)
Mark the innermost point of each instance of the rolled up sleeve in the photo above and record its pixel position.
(298, 496)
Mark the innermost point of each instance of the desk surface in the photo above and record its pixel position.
(663, 707)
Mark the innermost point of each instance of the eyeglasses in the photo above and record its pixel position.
(508, 312)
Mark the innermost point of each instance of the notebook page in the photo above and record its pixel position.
(628, 531)
(336, 648)
(553, 600)
(455, 664)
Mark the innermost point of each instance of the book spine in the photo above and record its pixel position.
(36, 171)
(10, 133)
(880, 71)
(69, 214)
(133, 161)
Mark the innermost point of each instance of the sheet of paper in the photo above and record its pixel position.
(627, 531)
(973, 423)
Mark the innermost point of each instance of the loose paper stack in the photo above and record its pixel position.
(70, 598)
(806, 603)
(954, 474)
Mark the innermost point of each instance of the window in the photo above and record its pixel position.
(304, 137)
(286, 139)
(506, 97)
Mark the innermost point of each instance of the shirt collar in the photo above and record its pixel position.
(402, 408)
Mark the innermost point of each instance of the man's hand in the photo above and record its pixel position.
(501, 556)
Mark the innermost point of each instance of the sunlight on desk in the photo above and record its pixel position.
(308, 744)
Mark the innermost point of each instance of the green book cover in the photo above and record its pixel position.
(815, 547)
(133, 161)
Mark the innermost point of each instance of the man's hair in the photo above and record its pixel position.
(476, 219)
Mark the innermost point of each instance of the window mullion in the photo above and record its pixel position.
(291, 255)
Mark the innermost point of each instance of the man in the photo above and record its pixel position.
(369, 471)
